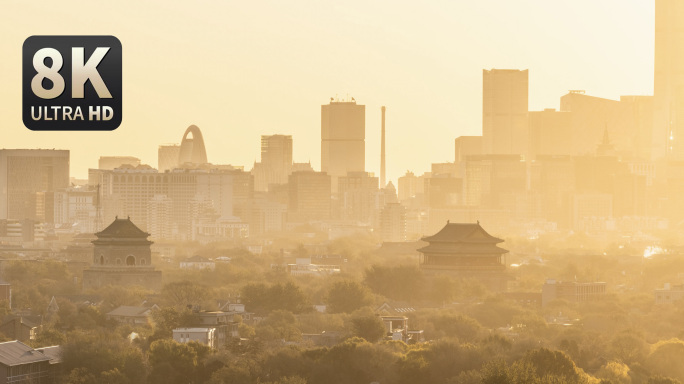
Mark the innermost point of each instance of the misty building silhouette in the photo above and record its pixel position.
(668, 116)
(504, 111)
(343, 139)
(111, 162)
(393, 223)
(167, 157)
(276, 162)
(25, 176)
(192, 149)
(550, 133)
(357, 194)
(309, 196)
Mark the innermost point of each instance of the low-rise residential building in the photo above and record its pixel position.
(22, 328)
(131, 315)
(303, 267)
(20, 363)
(198, 262)
(572, 291)
(669, 294)
(202, 335)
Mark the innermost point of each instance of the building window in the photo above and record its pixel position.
(130, 260)
(102, 260)
(142, 261)
(118, 261)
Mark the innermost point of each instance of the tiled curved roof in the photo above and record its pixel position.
(122, 228)
(462, 233)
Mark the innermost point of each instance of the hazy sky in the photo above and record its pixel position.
(240, 69)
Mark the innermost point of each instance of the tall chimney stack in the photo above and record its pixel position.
(382, 151)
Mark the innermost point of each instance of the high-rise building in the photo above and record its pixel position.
(668, 116)
(357, 194)
(75, 206)
(26, 172)
(276, 162)
(129, 192)
(550, 133)
(591, 116)
(504, 111)
(467, 146)
(490, 177)
(111, 162)
(343, 139)
(309, 196)
(411, 186)
(393, 223)
(159, 214)
(167, 157)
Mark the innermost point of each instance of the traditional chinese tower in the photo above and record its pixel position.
(122, 256)
(466, 250)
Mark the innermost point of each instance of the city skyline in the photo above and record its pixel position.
(433, 88)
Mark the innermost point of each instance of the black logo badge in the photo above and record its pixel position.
(71, 83)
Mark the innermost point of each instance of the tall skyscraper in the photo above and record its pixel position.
(167, 157)
(343, 139)
(276, 159)
(504, 111)
(24, 174)
(668, 117)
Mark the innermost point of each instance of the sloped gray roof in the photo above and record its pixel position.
(54, 353)
(17, 353)
(125, 310)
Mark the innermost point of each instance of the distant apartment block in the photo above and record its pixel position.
(75, 207)
(167, 157)
(669, 294)
(504, 111)
(25, 174)
(357, 195)
(572, 291)
(198, 263)
(276, 162)
(304, 267)
(393, 223)
(112, 162)
(309, 196)
(202, 335)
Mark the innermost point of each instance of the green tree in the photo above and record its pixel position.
(404, 282)
(279, 325)
(182, 294)
(261, 298)
(368, 326)
(169, 318)
(347, 296)
(95, 352)
(666, 357)
(662, 380)
(172, 362)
